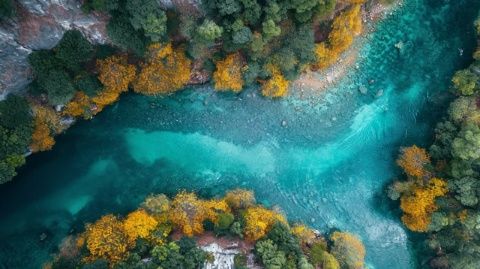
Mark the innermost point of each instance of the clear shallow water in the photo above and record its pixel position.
(327, 167)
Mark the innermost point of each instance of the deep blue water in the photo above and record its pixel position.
(327, 167)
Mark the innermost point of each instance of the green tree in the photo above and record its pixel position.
(7, 9)
(73, 50)
(269, 254)
(228, 7)
(465, 82)
(209, 31)
(16, 127)
(252, 11)
(270, 29)
(467, 144)
(146, 15)
(122, 34)
(58, 86)
(100, 5)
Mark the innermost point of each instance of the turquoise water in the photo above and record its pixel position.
(327, 167)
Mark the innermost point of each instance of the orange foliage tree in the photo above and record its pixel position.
(139, 224)
(277, 85)
(348, 250)
(413, 160)
(240, 198)
(345, 27)
(187, 213)
(165, 71)
(213, 207)
(304, 233)
(419, 204)
(228, 73)
(116, 75)
(259, 220)
(47, 124)
(107, 239)
(79, 106)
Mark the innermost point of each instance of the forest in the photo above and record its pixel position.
(162, 233)
(440, 193)
(153, 51)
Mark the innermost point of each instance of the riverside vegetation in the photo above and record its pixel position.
(440, 195)
(157, 51)
(145, 238)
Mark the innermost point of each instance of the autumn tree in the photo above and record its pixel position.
(305, 234)
(139, 224)
(345, 27)
(115, 74)
(348, 250)
(79, 106)
(107, 239)
(276, 85)
(166, 70)
(259, 220)
(240, 198)
(47, 124)
(419, 204)
(228, 73)
(413, 161)
(187, 213)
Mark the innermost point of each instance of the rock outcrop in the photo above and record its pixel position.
(40, 24)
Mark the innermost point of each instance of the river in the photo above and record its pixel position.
(323, 157)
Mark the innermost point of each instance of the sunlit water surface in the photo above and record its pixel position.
(327, 167)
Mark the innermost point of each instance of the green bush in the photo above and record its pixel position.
(222, 226)
(240, 261)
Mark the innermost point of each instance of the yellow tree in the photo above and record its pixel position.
(213, 207)
(240, 198)
(47, 124)
(42, 139)
(79, 106)
(413, 160)
(165, 71)
(304, 233)
(345, 27)
(187, 213)
(116, 75)
(348, 250)
(228, 73)
(419, 204)
(259, 220)
(107, 239)
(277, 85)
(139, 224)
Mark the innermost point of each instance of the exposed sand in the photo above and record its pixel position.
(321, 80)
